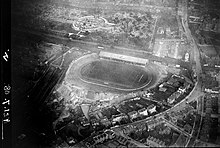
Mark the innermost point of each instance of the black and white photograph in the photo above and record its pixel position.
(110, 73)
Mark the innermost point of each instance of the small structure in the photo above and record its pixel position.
(111, 134)
(151, 109)
(163, 89)
(187, 57)
(143, 112)
(173, 97)
(84, 121)
(117, 118)
(105, 121)
(85, 109)
(132, 114)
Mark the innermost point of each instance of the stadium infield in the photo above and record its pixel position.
(92, 73)
(115, 74)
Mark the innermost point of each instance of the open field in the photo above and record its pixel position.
(115, 73)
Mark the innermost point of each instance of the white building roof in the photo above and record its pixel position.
(123, 57)
(143, 112)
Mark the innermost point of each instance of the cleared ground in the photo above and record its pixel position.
(115, 74)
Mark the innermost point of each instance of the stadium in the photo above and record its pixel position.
(111, 72)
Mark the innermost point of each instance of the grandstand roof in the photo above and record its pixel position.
(123, 57)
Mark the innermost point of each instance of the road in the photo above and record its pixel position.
(169, 40)
(177, 128)
(154, 32)
(132, 140)
(198, 88)
(93, 47)
(113, 6)
(196, 92)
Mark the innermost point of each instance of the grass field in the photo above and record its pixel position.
(115, 74)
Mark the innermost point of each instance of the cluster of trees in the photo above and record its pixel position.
(134, 24)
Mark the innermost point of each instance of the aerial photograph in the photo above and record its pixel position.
(115, 73)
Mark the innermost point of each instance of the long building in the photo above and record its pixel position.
(125, 58)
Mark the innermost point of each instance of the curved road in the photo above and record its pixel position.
(197, 91)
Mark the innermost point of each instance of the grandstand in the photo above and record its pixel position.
(123, 58)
